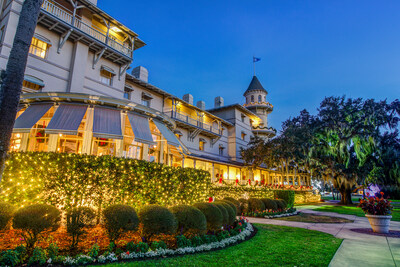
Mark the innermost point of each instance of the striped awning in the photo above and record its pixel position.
(66, 119)
(141, 128)
(30, 117)
(107, 123)
(167, 133)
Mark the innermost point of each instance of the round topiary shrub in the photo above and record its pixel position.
(231, 211)
(189, 218)
(231, 205)
(157, 220)
(6, 213)
(256, 204)
(244, 205)
(119, 219)
(77, 220)
(284, 203)
(269, 204)
(280, 205)
(34, 219)
(213, 215)
(224, 212)
(235, 202)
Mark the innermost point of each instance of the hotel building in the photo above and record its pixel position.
(80, 96)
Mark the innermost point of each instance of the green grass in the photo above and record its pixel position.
(272, 246)
(353, 210)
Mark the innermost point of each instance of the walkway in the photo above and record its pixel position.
(357, 249)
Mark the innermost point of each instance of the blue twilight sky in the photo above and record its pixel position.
(309, 49)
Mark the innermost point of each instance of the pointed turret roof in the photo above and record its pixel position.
(255, 85)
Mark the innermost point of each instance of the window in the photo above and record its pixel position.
(259, 98)
(252, 98)
(243, 136)
(221, 150)
(30, 87)
(106, 77)
(146, 99)
(243, 117)
(201, 145)
(39, 47)
(128, 92)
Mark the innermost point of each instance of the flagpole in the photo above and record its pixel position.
(254, 67)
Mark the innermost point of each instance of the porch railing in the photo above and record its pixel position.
(193, 121)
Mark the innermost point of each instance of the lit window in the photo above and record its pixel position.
(243, 136)
(201, 145)
(38, 48)
(29, 87)
(106, 77)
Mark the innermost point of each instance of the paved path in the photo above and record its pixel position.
(357, 249)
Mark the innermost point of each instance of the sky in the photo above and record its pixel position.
(308, 49)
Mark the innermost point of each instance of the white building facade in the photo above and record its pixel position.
(79, 96)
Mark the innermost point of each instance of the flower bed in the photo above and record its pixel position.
(273, 214)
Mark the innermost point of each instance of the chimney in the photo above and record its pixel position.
(141, 73)
(94, 2)
(201, 105)
(188, 98)
(218, 102)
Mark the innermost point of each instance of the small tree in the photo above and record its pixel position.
(77, 220)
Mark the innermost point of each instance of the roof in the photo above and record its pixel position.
(255, 85)
(238, 106)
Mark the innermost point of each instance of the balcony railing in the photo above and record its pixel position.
(62, 14)
(192, 121)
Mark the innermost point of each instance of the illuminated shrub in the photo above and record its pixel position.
(224, 212)
(6, 213)
(119, 219)
(244, 205)
(269, 204)
(77, 220)
(157, 220)
(234, 202)
(213, 215)
(230, 211)
(189, 218)
(35, 219)
(256, 205)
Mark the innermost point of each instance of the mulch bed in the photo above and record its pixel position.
(395, 234)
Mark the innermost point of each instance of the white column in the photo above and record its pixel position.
(52, 145)
(145, 152)
(87, 133)
(24, 142)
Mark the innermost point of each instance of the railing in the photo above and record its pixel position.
(259, 104)
(67, 17)
(192, 121)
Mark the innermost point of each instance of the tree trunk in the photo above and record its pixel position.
(346, 196)
(13, 77)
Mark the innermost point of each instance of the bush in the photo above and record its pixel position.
(244, 205)
(284, 203)
(52, 251)
(269, 204)
(157, 220)
(213, 215)
(233, 206)
(6, 213)
(119, 219)
(9, 258)
(231, 212)
(34, 219)
(189, 218)
(182, 241)
(287, 195)
(196, 241)
(77, 219)
(158, 245)
(236, 203)
(224, 212)
(38, 257)
(142, 247)
(280, 204)
(256, 204)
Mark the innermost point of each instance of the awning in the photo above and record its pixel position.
(141, 128)
(42, 38)
(30, 117)
(167, 133)
(146, 95)
(34, 80)
(107, 123)
(177, 132)
(66, 119)
(110, 70)
(202, 140)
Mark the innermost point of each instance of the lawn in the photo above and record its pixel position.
(272, 246)
(353, 210)
(311, 218)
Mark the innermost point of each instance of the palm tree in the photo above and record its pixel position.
(13, 76)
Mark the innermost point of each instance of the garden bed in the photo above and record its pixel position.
(312, 218)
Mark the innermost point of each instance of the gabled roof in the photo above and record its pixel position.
(255, 85)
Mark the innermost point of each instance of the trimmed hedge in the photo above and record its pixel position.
(269, 204)
(287, 195)
(231, 211)
(224, 212)
(213, 215)
(231, 205)
(256, 204)
(235, 202)
(157, 220)
(189, 218)
(6, 213)
(244, 205)
(119, 219)
(280, 204)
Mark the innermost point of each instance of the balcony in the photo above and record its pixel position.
(194, 124)
(59, 19)
(264, 131)
(265, 105)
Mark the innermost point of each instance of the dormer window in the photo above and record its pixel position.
(39, 46)
(146, 99)
(128, 92)
(31, 84)
(106, 75)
